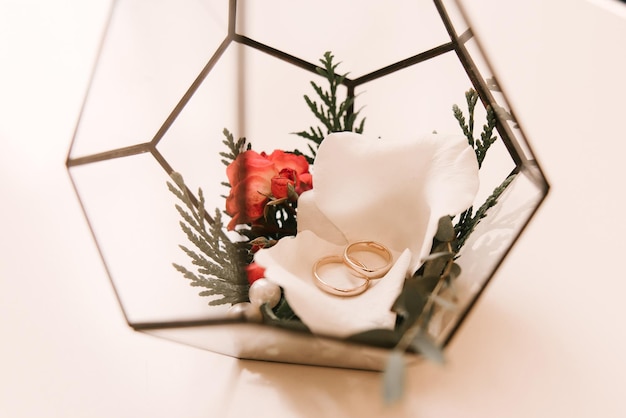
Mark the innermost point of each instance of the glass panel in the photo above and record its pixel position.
(366, 35)
(150, 55)
(133, 219)
(173, 75)
(256, 342)
(486, 247)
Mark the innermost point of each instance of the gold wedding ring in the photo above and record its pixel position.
(362, 269)
(355, 266)
(339, 291)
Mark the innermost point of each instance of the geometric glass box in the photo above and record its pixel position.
(171, 75)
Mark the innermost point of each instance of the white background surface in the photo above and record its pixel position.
(546, 340)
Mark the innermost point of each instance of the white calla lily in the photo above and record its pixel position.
(391, 192)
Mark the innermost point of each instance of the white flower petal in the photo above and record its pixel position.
(311, 218)
(394, 192)
(289, 264)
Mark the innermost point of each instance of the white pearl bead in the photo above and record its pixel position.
(263, 291)
(238, 310)
(253, 314)
(245, 310)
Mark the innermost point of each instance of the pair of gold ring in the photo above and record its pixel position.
(355, 267)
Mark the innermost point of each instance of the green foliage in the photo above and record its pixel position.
(394, 377)
(280, 318)
(334, 116)
(219, 261)
(416, 303)
(415, 306)
(234, 147)
(425, 345)
(486, 137)
(468, 220)
(422, 293)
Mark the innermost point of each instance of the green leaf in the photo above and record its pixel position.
(410, 302)
(234, 147)
(442, 255)
(394, 377)
(426, 285)
(332, 114)
(219, 261)
(270, 318)
(435, 266)
(380, 337)
(423, 344)
(466, 224)
(455, 271)
(231, 293)
(284, 311)
(445, 230)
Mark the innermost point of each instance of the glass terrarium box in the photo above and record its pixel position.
(395, 189)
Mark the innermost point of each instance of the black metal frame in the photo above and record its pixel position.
(456, 45)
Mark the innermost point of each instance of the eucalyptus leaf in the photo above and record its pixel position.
(426, 285)
(435, 266)
(455, 271)
(410, 302)
(445, 230)
(423, 344)
(445, 255)
(386, 338)
(394, 377)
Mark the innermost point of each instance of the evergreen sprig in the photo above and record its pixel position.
(334, 116)
(219, 261)
(487, 138)
(468, 220)
(234, 149)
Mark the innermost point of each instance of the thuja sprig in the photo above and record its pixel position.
(487, 138)
(468, 220)
(219, 261)
(334, 116)
(234, 149)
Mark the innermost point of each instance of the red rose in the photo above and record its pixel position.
(282, 159)
(281, 182)
(251, 178)
(286, 177)
(305, 183)
(254, 272)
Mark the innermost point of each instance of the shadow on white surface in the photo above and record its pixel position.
(462, 387)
